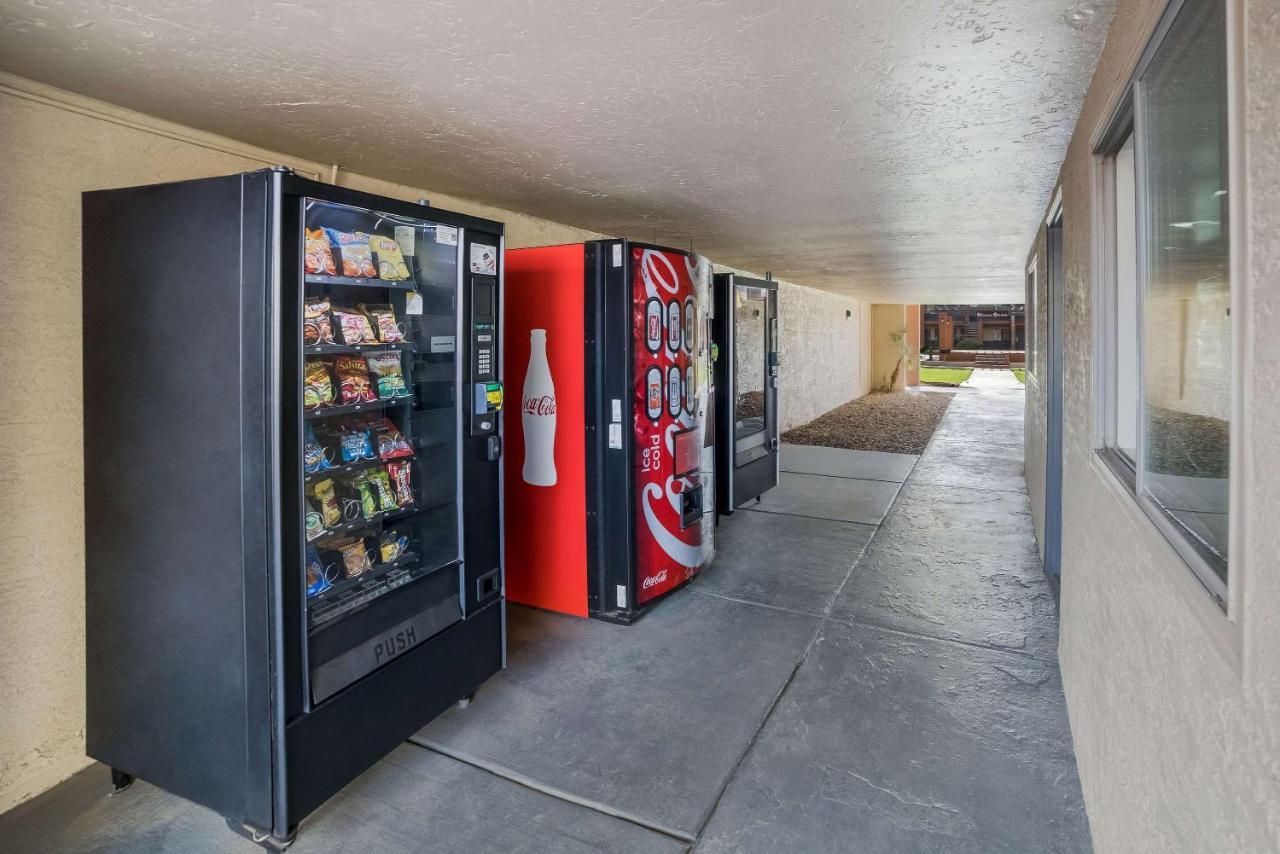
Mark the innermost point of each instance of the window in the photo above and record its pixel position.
(1165, 297)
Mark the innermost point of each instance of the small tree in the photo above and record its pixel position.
(899, 338)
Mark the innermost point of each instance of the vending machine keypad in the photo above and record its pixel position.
(487, 390)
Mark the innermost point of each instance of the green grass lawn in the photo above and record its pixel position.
(951, 376)
(1020, 374)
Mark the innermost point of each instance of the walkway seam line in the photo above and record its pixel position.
(804, 656)
(513, 776)
(871, 624)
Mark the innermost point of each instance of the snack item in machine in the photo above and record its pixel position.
(315, 524)
(391, 264)
(383, 318)
(391, 442)
(317, 385)
(317, 328)
(317, 583)
(356, 559)
(315, 456)
(357, 444)
(385, 367)
(354, 384)
(354, 327)
(392, 545)
(401, 481)
(353, 249)
(319, 255)
(368, 502)
(382, 491)
(328, 501)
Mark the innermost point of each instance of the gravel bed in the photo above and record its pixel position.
(899, 422)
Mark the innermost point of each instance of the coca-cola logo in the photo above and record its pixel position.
(542, 405)
(654, 580)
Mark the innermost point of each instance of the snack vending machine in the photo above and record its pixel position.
(610, 485)
(292, 484)
(746, 336)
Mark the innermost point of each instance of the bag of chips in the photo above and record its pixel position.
(383, 319)
(382, 490)
(317, 583)
(391, 442)
(353, 249)
(353, 327)
(328, 501)
(317, 328)
(401, 481)
(317, 385)
(319, 257)
(368, 502)
(315, 524)
(390, 259)
(354, 384)
(385, 367)
(356, 559)
(315, 456)
(392, 544)
(357, 444)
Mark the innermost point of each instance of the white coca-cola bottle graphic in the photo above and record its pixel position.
(538, 415)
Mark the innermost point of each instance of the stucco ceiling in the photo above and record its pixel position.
(899, 150)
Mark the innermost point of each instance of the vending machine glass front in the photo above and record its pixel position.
(380, 415)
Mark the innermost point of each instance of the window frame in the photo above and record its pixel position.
(1121, 128)
(1123, 118)
(1030, 301)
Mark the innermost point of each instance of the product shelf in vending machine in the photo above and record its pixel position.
(308, 567)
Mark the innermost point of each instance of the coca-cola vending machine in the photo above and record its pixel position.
(610, 484)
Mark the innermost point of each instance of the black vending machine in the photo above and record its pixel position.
(746, 336)
(292, 484)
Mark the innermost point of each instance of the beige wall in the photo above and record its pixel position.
(887, 321)
(55, 146)
(824, 362)
(913, 345)
(1174, 708)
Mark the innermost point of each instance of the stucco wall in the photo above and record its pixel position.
(1174, 708)
(55, 146)
(823, 342)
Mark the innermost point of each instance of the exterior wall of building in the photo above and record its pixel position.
(1175, 709)
(913, 345)
(57, 145)
(887, 322)
(824, 359)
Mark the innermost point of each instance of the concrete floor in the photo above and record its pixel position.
(828, 685)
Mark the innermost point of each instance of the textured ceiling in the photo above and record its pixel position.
(898, 150)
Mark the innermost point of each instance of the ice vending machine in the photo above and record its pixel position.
(609, 468)
(746, 336)
(292, 484)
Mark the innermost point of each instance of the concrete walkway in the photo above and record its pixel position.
(993, 379)
(829, 685)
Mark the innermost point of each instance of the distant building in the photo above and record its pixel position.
(944, 328)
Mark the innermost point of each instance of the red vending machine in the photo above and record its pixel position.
(609, 466)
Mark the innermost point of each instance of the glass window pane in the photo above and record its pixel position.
(749, 360)
(380, 440)
(1125, 403)
(1186, 303)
